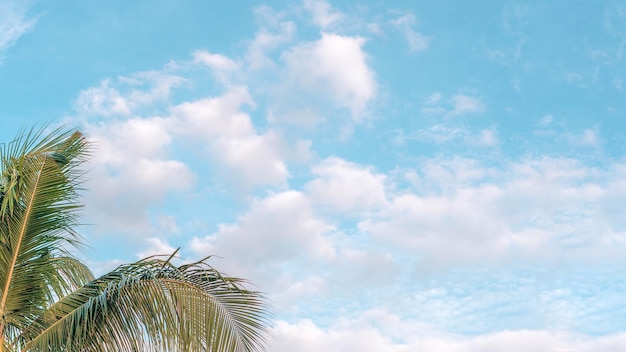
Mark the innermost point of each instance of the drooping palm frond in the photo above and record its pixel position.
(153, 305)
(38, 214)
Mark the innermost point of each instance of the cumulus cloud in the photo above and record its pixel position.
(280, 227)
(134, 166)
(346, 187)
(224, 69)
(228, 133)
(255, 159)
(216, 116)
(337, 66)
(276, 244)
(130, 170)
(156, 246)
(215, 61)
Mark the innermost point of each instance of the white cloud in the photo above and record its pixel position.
(224, 69)
(228, 134)
(13, 23)
(555, 130)
(156, 246)
(336, 67)
(487, 137)
(346, 187)
(540, 209)
(464, 104)
(433, 99)
(213, 117)
(378, 330)
(274, 32)
(439, 133)
(131, 170)
(443, 133)
(514, 22)
(215, 61)
(405, 24)
(255, 159)
(589, 137)
(134, 138)
(102, 100)
(278, 228)
(546, 120)
(167, 224)
(277, 244)
(442, 228)
(100, 268)
(582, 78)
(355, 269)
(457, 105)
(140, 90)
(323, 14)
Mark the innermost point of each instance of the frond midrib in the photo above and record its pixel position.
(16, 250)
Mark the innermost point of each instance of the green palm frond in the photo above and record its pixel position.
(38, 211)
(153, 305)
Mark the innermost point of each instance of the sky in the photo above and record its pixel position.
(396, 176)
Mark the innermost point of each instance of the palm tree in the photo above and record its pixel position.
(49, 300)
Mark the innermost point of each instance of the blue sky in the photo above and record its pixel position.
(396, 176)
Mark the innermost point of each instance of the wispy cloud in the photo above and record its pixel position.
(14, 23)
(457, 105)
(324, 15)
(406, 24)
(513, 24)
(274, 31)
(464, 104)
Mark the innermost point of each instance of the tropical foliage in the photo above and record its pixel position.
(49, 300)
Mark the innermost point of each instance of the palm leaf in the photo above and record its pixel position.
(152, 305)
(38, 211)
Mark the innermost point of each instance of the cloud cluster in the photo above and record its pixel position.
(381, 331)
(342, 242)
(135, 159)
(142, 131)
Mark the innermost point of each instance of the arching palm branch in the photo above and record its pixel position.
(49, 300)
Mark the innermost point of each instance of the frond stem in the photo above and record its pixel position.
(16, 250)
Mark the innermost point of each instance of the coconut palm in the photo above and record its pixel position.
(49, 300)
